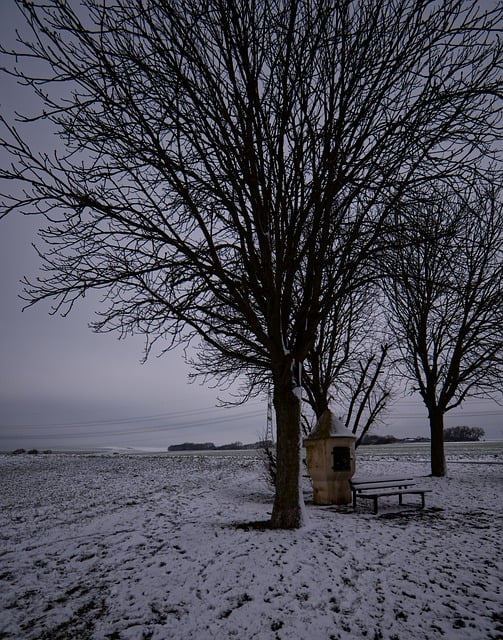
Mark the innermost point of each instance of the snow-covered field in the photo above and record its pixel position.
(158, 547)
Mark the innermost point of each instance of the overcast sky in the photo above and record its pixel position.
(62, 386)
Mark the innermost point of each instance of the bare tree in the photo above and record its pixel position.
(371, 392)
(343, 367)
(349, 364)
(446, 296)
(209, 151)
(347, 367)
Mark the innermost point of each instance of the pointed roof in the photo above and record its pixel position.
(329, 426)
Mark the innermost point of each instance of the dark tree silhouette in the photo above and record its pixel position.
(463, 434)
(446, 296)
(211, 154)
(349, 366)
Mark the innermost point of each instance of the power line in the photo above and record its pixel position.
(449, 414)
(136, 431)
(135, 419)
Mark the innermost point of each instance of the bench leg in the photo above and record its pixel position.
(354, 500)
(423, 504)
(375, 505)
(400, 499)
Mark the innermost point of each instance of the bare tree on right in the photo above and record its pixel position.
(444, 286)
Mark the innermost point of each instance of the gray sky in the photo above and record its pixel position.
(54, 370)
(62, 386)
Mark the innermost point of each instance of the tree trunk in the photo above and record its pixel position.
(288, 510)
(438, 466)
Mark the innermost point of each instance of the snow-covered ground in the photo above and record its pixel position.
(156, 547)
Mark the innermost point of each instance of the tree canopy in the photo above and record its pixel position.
(445, 292)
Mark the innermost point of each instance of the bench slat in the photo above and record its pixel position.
(383, 485)
(383, 494)
(372, 480)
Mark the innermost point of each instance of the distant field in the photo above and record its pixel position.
(487, 451)
(490, 450)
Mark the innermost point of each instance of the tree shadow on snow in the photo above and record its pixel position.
(254, 525)
(413, 514)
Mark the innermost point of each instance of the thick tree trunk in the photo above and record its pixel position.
(288, 509)
(438, 466)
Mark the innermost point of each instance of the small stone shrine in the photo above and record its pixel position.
(330, 449)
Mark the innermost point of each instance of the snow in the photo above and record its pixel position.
(297, 392)
(330, 426)
(153, 547)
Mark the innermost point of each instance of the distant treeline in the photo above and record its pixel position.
(209, 446)
(451, 434)
(17, 452)
(463, 434)
(373, 439)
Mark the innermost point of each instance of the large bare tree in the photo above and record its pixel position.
(209, 152)
(445, 286)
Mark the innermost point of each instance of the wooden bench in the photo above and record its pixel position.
(375, 488)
